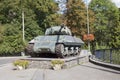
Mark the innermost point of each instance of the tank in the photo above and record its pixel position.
(57, 40)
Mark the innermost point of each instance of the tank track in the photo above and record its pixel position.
(61, 51)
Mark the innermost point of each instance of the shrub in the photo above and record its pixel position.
(23, 63)
(54, 62)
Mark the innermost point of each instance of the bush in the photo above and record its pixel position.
(23, 63)
(54, 62)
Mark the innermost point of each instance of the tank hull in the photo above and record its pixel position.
(48, 43)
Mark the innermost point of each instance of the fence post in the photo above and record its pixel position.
(110, 55)
(104, 55)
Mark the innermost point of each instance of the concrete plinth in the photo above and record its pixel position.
(45, 63)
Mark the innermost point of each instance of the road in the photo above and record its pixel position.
(87, 71)
(6, 60)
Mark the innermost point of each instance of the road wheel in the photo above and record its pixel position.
(59, 50)
(79, 49)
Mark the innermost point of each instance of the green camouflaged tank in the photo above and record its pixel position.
(57, 40)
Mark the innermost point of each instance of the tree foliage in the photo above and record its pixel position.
(107, 23)
(11, 40)
(39, 15)
(45, 12)
(76, 17)
(1, 34)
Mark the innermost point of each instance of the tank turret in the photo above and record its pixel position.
(58, 30)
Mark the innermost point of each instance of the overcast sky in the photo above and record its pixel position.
(117, 2)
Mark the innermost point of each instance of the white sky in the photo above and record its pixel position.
(117, 2)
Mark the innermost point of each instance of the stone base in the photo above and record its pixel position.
(45, 63)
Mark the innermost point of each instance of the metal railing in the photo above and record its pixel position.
(108, 55)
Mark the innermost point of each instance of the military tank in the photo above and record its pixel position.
(57, 40)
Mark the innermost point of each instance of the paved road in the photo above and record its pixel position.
(87, 71)
(6, 60)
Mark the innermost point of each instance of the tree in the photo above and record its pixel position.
(39, 15)
(76, 17)
(11, 42)
(9, 11)
(45, 13)
(1, 34)
(106, 24)
(115, 41)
